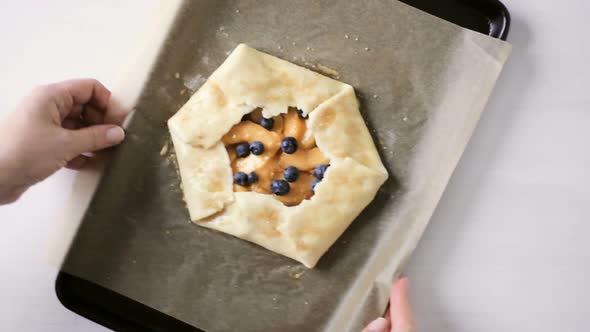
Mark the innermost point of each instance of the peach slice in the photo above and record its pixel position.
(231, 152)
(304, 160)
(294, 125)
(308, 140)
(247, 131)
(266, 173)
(300, 190)
(279, 124)
(250, 163)
(256, 115)
(238, 188)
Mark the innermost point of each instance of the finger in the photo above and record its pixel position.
(401, 313)
(69, 123)
(77, 163)
(87, 91)
(386, 315)
(116, 112)
(69, 96)
(92, 116)
(378, 325)
(76, 112)
(94, 138)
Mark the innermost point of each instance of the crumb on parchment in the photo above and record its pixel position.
(164, 149)
(177, 75)
(297, 273)
(327, 71)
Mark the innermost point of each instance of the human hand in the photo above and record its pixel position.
(398, 317)
(55, 126)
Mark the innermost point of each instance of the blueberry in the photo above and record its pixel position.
(289, 145)
(267, 123)
(280, 187)
(252, 178)
(314, 183)
(257, 148)
(291, 173)
(241, 178)
(300, 112)
(319, 171)
(242, 150)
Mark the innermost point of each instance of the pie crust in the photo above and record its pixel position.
(249, 79)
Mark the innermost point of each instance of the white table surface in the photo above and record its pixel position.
(507, 249)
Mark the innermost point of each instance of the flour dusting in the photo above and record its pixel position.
(194, 82)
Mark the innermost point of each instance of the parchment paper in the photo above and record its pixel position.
(422, 84)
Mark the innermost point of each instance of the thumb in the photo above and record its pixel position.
(93, 138)
(378, 325)
(401, 313)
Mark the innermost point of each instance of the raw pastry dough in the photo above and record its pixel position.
(250, 79)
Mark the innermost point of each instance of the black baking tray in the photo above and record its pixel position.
(120, 313)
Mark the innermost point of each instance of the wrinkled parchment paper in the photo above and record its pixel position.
(422, 84)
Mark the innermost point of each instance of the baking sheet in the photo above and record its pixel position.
(422, 84)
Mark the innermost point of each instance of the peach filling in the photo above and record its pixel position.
(269, 165)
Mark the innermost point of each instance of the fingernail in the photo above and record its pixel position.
(115, 135)
(378, 325)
